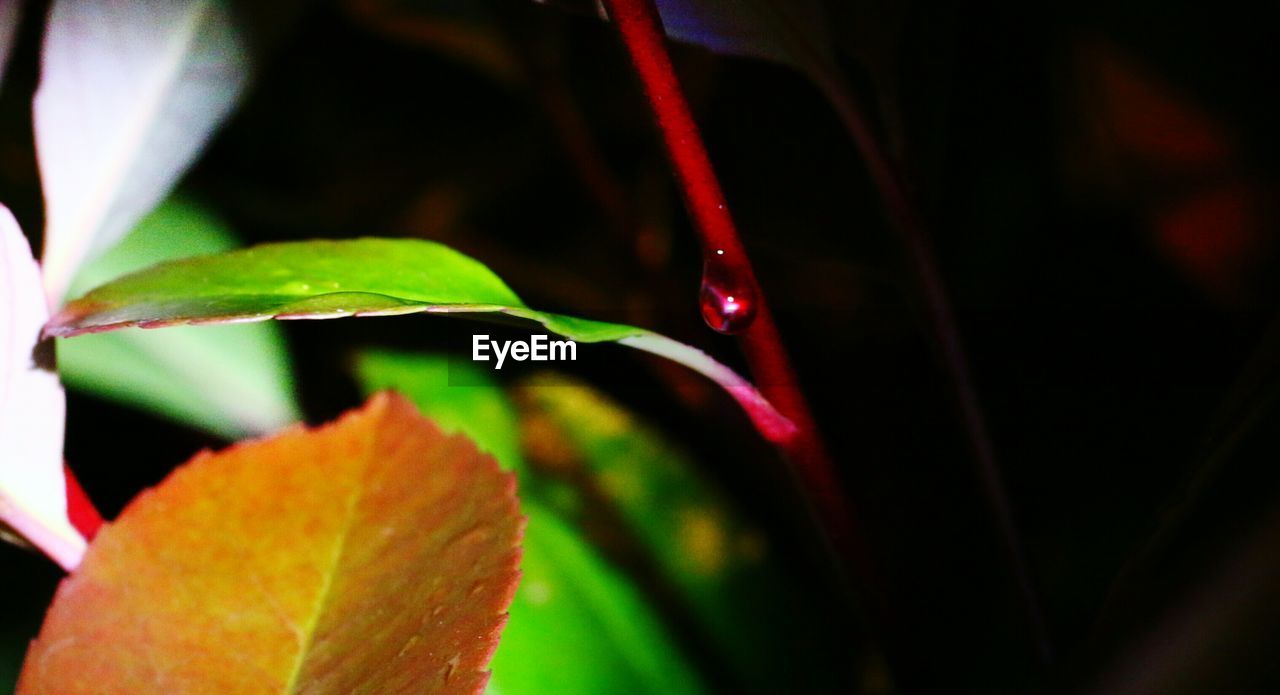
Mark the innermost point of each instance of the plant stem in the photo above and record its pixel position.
(640, 28)
(84, 516)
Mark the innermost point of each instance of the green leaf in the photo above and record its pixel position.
(577, 624)
(474, 404)
(230, 380)
(359, 277)
(699, 542)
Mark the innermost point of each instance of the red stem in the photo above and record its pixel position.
(638, 24)
(80, 510)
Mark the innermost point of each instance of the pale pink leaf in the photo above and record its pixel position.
(33, 496)
(129, 94)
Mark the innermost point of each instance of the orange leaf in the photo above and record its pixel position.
(375, 554)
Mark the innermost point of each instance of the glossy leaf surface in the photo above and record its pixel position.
(375, 554)
(361, 277)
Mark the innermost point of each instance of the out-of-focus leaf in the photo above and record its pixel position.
(372, 555)
(359, 277)
(10, 15)
(458, 396)
(698, 541)
(577, 625)
(33, 489)
(1138, 119)
(1146, 144)
(788, 31)
(465, 30)
(129, 94)
(231, 380)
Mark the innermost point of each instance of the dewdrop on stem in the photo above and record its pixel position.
(727, 299)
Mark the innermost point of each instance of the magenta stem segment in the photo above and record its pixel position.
(728, 271)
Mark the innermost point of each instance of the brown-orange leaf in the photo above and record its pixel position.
(372, 555)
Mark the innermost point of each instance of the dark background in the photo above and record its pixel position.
(1099, 182)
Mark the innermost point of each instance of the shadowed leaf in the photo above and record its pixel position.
(375, 554)
(230, 380)
(361, 277)
(465, 30)
(129, 93)
(10, 16)
(788, 31)
(1145, 143)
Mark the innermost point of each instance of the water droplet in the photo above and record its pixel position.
(728, 301)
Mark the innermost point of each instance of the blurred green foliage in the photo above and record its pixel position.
(473, 405)
(230, 380)
(700, 543)
(577, 624)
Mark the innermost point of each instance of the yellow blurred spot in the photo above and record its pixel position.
(583, 406)
(622, 486)
(546, 444)
(702, 539)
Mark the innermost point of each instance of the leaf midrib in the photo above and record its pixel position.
(331, 571)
